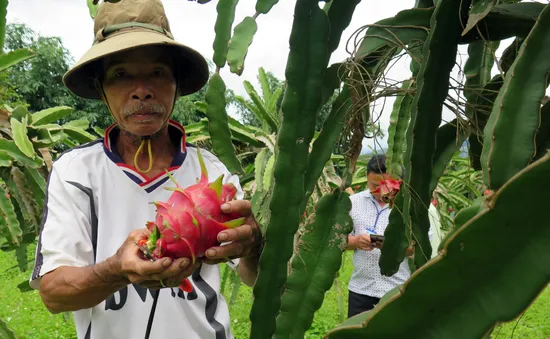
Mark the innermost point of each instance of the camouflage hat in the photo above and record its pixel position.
(129, 24)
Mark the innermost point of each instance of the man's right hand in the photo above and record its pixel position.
(364, 242)
(361, 241)
(131, 266)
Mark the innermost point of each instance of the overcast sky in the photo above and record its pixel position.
(193, 24)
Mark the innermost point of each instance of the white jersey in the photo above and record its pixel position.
(93, 202)
(371, 218)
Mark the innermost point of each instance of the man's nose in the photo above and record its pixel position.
(142, 91)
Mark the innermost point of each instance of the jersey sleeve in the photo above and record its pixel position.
(65, 238)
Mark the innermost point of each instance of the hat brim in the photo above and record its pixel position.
(193, 68)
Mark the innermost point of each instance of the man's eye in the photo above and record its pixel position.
(120, 74)
(158, 73)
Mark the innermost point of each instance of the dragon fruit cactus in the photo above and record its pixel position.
(189, 222)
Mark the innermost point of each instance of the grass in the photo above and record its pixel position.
(28, 318)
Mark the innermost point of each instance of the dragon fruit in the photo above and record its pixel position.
(388, 189)
(189, 222)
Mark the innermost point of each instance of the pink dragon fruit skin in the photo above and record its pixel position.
(189, 222)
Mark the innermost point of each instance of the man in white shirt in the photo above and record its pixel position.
(100, 194)
(370, 215)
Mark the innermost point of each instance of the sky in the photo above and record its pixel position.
(193, 24)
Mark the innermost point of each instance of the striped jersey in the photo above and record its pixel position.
(94, 200)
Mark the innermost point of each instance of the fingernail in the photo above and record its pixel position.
(222, 236)
(225, 206)
(184, 263)
(166, 262)
(211, 253)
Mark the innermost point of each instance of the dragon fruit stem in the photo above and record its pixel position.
(172, 178)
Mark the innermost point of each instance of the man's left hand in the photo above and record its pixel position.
(244, 240)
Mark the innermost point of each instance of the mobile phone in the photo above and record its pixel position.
(376, 238)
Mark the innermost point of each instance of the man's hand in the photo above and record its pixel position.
(131, 265)
(245, 240)
(364, 242)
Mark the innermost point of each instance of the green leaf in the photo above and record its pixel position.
(20, 113)
(339, 14)
(197, 127)
(5, 331)
(14, 57)
(271, 105)
(49, 139)
(92, 8)
(506, 21)
(260, 164)
(407, 27)
(239, 132)
(469, 280)
(450, 138)
(307, 60)
(480, 8)
(313, 268)
(50, 115)
(9, 147)
(19, 130)
(3, 15)
(260, 105)
(78, 123)
(462, 217)
(8, 216)
(268, 174)
(24, 199)
(197, 138)
(438, 60)
(5, 160)
(36, 181)
(478, 71)
(100, 132)
(21, 255)
(238, 47)
(399, 121)
(483, 107)
(323, 145)
(218, 126)
(509, 136)
(264, 6)
(266, 89)
(78, 134)
(222, 28)
(543, 134)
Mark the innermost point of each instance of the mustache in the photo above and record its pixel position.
(142, 108)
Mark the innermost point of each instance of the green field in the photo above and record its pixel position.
(27, 316)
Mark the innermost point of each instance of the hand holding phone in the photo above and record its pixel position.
(377, 240)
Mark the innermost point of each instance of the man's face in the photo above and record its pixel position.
(140, 88)
(373, 181)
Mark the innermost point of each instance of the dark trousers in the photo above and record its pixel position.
(359, 303)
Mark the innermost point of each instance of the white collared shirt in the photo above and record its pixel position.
(371, 218)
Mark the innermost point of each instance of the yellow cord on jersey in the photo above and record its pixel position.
(150, 153)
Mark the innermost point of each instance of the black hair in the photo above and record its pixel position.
(377, 164)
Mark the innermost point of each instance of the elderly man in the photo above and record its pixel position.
(99, 194)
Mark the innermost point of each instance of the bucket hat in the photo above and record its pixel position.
(129, 24)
